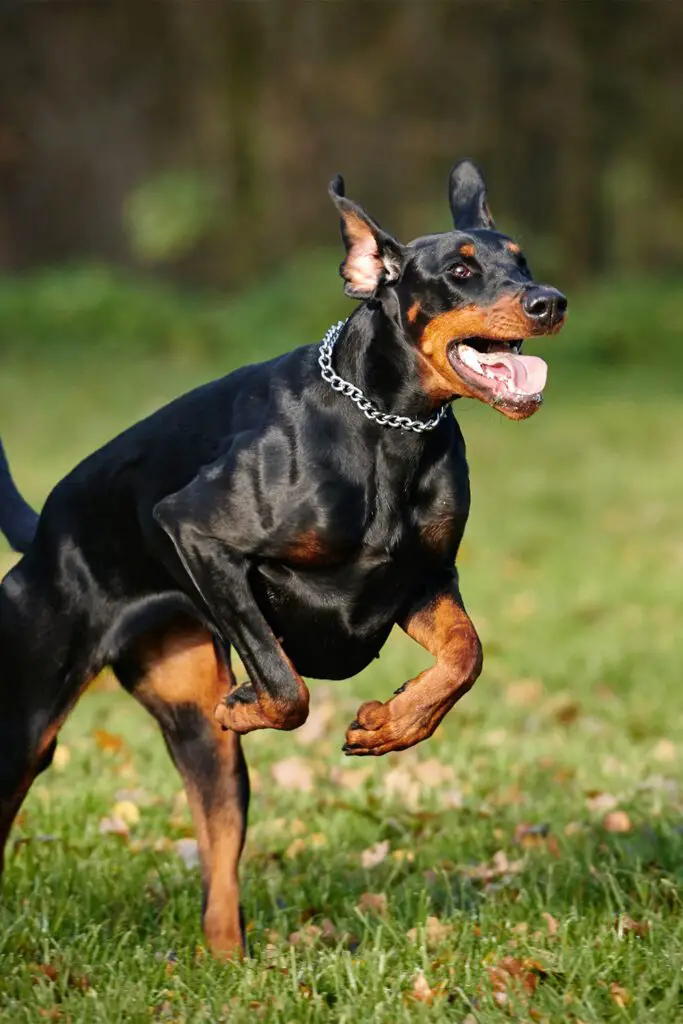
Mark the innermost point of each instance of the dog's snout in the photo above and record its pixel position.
(545, 305)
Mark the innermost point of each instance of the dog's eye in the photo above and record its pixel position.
(462, 271)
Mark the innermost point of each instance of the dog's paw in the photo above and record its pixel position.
(243, 711)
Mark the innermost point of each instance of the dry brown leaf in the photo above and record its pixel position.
(523, 692)
(374, 855)
(293, 773)
(664, 751)
(317, 724)
(108, 741)
(617, 821)
(567, 713)
(435, 932)
(625, 925)
(620, 995)
(499, 867)
(422, 992)
(551, 923)
(522, 974)
(373, 902)
(188, 851)
(306, 936)
(600, 802)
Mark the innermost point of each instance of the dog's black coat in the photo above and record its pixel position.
(264, 505)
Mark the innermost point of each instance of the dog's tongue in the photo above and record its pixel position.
(527, 374)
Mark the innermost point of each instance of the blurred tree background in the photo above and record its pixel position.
(194, 141)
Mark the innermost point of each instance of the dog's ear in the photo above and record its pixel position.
(373, 257)
(467, 196)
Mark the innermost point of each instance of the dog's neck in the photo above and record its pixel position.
(374, 354)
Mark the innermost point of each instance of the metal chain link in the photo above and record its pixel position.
(338, 383)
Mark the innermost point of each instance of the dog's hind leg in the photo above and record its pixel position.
(43, 671)
(176, 675)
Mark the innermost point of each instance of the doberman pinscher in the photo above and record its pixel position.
(294, 510)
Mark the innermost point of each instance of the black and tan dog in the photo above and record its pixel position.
(294, 511)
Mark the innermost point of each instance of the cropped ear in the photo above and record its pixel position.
(467, 196)
(373, 257)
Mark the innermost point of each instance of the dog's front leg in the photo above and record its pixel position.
(439, 623)
(276, 697)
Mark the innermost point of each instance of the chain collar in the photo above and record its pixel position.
(338, 383)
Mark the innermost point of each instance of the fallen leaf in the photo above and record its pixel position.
(551, 923)
(625, 925)
(567, 713)
(620, 995)
(293, 773)
(127, 811)
(306, 936)
(374, 902)
(435, 932)
(422, 992)
(509, 971)
(664, 751)
(296, 847)
(523, 692)
(500, 866)
(374, 855)
(108, 741)
(601, 802)
(61, 757)
(188, 851)
(617, 821)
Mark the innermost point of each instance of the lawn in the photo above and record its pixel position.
(525, 863)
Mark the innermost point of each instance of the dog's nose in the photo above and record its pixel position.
(545, 305)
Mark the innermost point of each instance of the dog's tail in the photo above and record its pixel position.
(18, 521)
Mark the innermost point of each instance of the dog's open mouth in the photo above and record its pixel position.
(498, 371)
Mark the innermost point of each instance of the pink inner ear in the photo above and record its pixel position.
(362, 266)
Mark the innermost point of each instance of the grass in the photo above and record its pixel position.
(571, 568)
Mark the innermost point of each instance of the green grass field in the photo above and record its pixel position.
(530, 854)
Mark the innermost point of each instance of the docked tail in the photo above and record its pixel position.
(18, 521)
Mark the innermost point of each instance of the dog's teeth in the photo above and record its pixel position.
(469, 357)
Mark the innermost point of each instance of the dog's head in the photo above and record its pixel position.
(465, 299)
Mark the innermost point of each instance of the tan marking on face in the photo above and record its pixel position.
(503, 321)
(414, 312)
(514, 248)
(467, 249)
